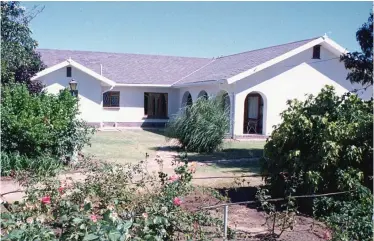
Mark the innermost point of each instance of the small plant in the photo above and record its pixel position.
(202, 126)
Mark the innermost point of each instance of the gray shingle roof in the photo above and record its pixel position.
(129, 68)
(231, 65)
(156, 69)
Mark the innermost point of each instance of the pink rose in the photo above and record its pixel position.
(61, 190)
(46, 200)
(145, 215)
(173, 178)
(177, 201)
(93, 218)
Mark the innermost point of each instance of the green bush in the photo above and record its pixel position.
(323, 145)
(13, 162)
(200, 127)
(39, 125)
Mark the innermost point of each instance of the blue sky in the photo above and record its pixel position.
(201, 29)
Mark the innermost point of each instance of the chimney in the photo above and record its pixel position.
(101, 69)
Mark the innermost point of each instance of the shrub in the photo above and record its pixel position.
(114, 202)
(323, 145)
(200, 127)
(36, 125)
(12, 163)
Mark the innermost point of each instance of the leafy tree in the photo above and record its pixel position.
(360, 64)
(325, 144)
(19, 60)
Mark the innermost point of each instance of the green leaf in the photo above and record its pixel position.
(90, 236)
(77, 220)
(114, 235)
(16, 234)
(87, 206)
(127, 225)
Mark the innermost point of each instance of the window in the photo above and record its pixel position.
(317, 52)
(156, 105)
(111, 99)
(68, 71)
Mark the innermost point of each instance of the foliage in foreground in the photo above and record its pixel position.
(202, 126)
(35, 126)
(19, 59)
(360, 64)
(324, 145)
(12, 163)
(114, 202)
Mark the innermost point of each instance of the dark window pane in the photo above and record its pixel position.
(68, 71)
(106, 99)
(317, 52)
(155, 105)
(145, 103)
(114, 101)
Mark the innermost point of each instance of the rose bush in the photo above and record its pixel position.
(114, 202)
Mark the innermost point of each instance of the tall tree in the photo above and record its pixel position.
(360, 64)
(19, 60)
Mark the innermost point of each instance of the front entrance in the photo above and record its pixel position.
(253, 114)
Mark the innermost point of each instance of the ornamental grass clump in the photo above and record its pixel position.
(202, 126)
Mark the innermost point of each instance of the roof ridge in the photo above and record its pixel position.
(120, 53)
(194, 71)
(269, 47)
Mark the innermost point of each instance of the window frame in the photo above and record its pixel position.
(145, 106)
(316, 52)
(112, 93)
(69, 72)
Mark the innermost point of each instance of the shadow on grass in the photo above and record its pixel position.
(239, 166)
(158, 131)
(228, 154)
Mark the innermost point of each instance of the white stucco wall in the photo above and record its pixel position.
(132, 104)
(90, 98)
(290, 79)
(89, 91)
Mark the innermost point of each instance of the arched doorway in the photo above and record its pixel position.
(187, 99)
(253, 114)
(203, 94)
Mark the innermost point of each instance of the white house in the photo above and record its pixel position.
(128, 90)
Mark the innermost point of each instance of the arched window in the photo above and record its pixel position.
(203, 94)
(187, 99)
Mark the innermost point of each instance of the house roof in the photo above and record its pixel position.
(128, 68)
(231, 65)
(170, 70)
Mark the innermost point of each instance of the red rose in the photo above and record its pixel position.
(46, 200)
(61, 190)
(177, 201)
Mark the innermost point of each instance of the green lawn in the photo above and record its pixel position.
(124, 146)
(132, 145)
